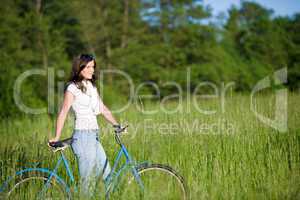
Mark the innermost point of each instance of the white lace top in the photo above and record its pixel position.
(86, 106)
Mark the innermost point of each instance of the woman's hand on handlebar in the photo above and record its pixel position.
(119, 129)
(53, 140)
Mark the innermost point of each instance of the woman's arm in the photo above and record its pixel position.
(108, 116)
(107, 113)
(68, 100)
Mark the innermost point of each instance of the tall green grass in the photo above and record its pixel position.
(226, 155)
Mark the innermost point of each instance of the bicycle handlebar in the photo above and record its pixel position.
(118, 132)
(62, 144)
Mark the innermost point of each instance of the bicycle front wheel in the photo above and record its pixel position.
(156, 181)
(34, 186)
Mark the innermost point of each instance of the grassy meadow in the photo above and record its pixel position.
(226, 155)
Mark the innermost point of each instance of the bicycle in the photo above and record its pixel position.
(135, 180)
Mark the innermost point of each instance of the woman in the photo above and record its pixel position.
(81, 93)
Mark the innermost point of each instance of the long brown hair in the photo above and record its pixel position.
(79, 63)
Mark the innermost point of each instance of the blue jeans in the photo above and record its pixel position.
(91, 158)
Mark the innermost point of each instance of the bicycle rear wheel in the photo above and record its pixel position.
(158, 182)
(33, 186)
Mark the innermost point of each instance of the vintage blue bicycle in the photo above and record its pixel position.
(127, 180)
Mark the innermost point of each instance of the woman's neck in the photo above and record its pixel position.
(85, 82)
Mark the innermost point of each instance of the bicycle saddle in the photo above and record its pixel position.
(60, 145)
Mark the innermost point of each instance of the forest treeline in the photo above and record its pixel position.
(151, 40)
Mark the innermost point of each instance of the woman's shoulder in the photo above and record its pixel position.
(71, 84)
(72, 87)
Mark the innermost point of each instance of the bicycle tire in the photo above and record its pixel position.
(29, 185)
(154, 188)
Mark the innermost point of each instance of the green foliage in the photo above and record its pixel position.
(150, 40)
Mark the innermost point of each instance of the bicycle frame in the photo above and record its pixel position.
(110, 182)
(129, 164)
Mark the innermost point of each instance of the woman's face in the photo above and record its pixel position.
(88, 71)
